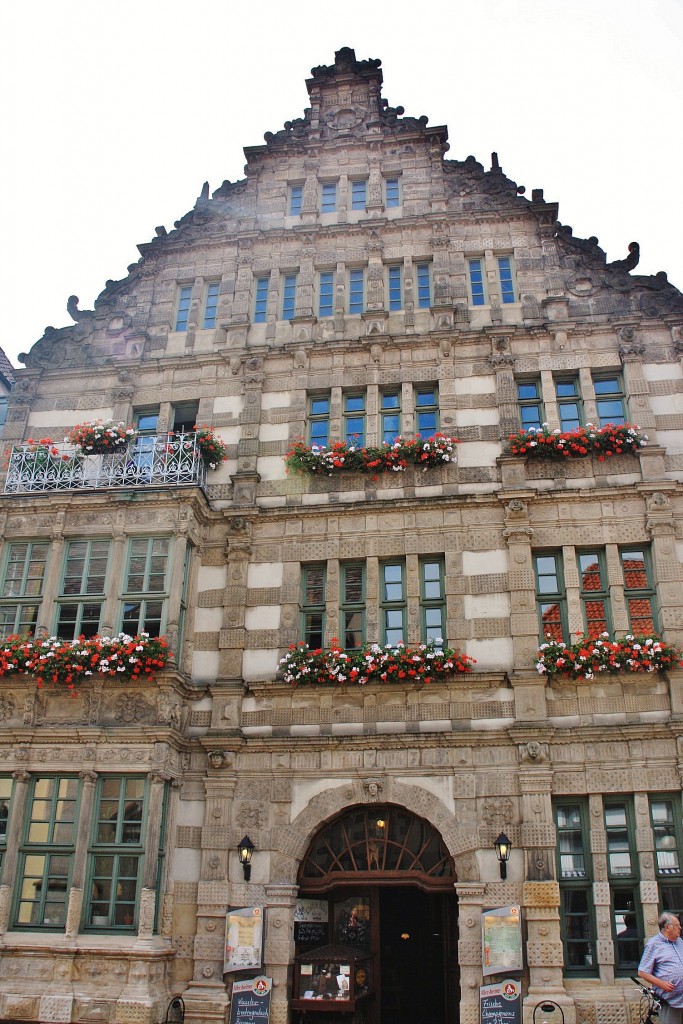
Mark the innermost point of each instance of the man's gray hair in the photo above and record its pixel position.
(665, 919)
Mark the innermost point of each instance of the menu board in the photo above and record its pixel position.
(311, 921)
(243, 939)
(501, 1003)
(251, 1001)
(501, 939)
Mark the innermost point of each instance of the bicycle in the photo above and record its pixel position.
(648, 1011)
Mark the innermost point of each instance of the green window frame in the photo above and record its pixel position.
(392, 192)
(610, 400)
(313, 591)
(83, 589)
(393, 606)
(423, 277)
(667, 828)
(623, 875)
(23, 578)
(328, 197)
(433, 599)
(390, 413)
(356, 291)
(530, 403)
(569, 404)
(506, 280)
(296, 198)
(261, 299)
(326, 293)
(183, 307)
(47, 852)
(289, 283)
(395, 286)
(318, 420)
(426, 411)
(639, 590)
(184, 417)
(352, 604)
(477, 281)
(594, 592)
(145, 596)
(354, 419)
(116, 854)
(211, 304)
(359, 193)
(575, 875)
(6, 788)
(551, 596)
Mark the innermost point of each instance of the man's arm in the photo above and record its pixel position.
(661, 983)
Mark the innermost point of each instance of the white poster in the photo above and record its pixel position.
(243, 939)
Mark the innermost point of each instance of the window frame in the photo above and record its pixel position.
(329, 196)
(315, 419)
(326, 293)
(6, 795)
(393, 412)
(392, 192)
(624, 885)
(423, 284)
(426, 409)
(295, 199)
(310, 610)
(602, 397)
(647, 593)
(389, 605)
(356, 286)
(431, 604)
(545, 597)
(534, 402)
(261, 290)
(183, 307)
(477, 286)
(394, 282)
(289, 289)
(146, 596)
(21, 601)
(573, 400)
(359, 196)
(506, 279)
(348, 608)
(670, 883)
(600, 595)
(211, 299)
(84, 596)
(570, 884)
(349, 415)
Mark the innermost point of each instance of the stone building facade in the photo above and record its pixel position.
(356, 280)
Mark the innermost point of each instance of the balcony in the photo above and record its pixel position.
(161, 460)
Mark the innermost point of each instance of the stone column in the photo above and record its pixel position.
(232, 634)
(545, 957)
(645, 844)
(632, 350)
(523, 617)
(177, 581)
(246, 478)
(601, 892)
(668, 572)
(115, 586)
(52, 577)
(14, 827)
(470, 905)
(84, 828)
(279, 946)
(150, 866)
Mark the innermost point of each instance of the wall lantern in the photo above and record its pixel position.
(245, 848)
(503, 847)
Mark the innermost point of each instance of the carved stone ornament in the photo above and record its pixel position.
(373, 788)
(533, 751)
(216, 758)
(344, 118)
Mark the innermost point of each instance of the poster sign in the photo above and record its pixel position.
(311, 921)
(243, 939)
(251, 1001)
(501, 939)
(501, 1003)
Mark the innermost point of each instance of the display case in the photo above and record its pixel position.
(332, 979)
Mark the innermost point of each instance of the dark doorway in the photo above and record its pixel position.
(413, 954)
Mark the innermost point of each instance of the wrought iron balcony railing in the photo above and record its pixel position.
(149, 461)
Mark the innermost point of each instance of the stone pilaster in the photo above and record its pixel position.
(75, 907)
(544, 953)
(523, 619)
(470, 905)
(232, 635)
(667, 569)
(279, 947)
(14, 826)
(150, 868)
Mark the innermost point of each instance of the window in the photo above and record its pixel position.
(328, 197)
(665, 816)
(622, 871)
(47, 853)
(184, 417)
(211, 304)
(117, 852)
(352, 605)
(476, 275)
(424, 287)
(530, 404)
(22, 586)
(568, 403)
(594, 591)
(183, 311)
(551, 600)
(319, 420)
(390, 411)
(313, 605)
(326, 293)
(261, 300)
(354, 419)
(5, 798)
(145, 590)
(392, 194)
(426, 411)
(83, 588)
(507, 288)
(356, 291)
(575, 878)
(609, 400)
(432, 599)
(395, 282)
(147, 423)
(359, 194)
(296, 198)
(289, 296)
(393, 603)
(638, 590)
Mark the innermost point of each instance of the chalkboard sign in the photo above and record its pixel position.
(310, 931)
(251, 1001)
(501, 1003)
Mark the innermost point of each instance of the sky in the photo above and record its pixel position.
(115, 114)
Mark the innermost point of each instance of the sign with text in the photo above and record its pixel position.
(501, 1003)
(251, 1001)
(243, 939)
(501, 939)
(311, 921)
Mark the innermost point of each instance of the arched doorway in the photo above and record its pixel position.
(386, 881)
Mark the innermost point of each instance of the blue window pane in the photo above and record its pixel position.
(531, 417)
(426, 398)
(289, 297)
(527, 390)
(424, 296)
(391, 428)
(329, 197)
(211, 305)
(507, 290)
(611, 412)
(326, 294)
(261, 303)
(355, 403)
(355, 433)
(319, 433)
(358, 195)
(296, 195)
(183, 308)
(566, 388)
(391, 192)
(477, 283)
(395, 288)
(320, 406)
(356, 291)
(569, 416)
(390, 400)
(607, 386)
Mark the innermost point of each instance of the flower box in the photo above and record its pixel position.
(603, 442)
(372, 663)
(424, 452)
(591, 657)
